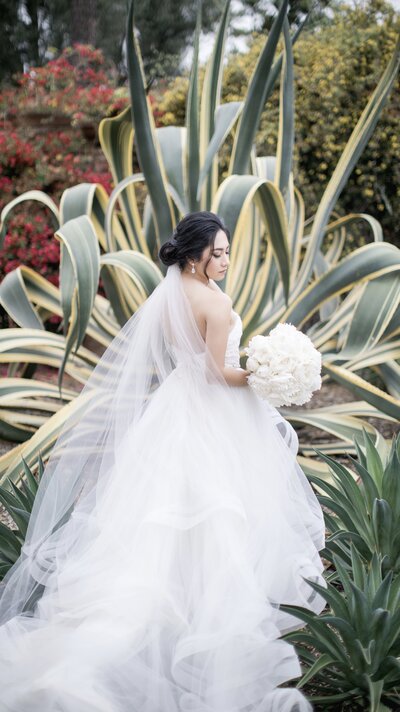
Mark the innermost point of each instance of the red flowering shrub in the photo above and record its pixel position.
(81, 85)
(90, 176)
(15, 154)
(32, 243)
(78, 83)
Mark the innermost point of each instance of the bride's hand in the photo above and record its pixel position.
(235, 376)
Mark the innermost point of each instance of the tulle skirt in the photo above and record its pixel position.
(166, 596)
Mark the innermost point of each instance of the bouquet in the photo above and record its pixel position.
(285, 366)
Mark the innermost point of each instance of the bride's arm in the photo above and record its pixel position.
(218, 317)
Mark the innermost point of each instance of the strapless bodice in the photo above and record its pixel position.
(232, 347)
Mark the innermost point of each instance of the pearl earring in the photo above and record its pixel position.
(193, 268)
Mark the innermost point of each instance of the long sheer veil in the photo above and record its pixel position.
(161, 337)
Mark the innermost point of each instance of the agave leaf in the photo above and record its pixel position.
(364, 544)
(35, 346)
(210, 98)
(364, 263)
(284, 154)
(335, 600)
(391, 481)
(24, 284)
(30, 480)
(192, 156)
(20, 495)
(368, 484)
(321, 663)
(42, 441)
(382, 522)
(14, 298)
(172, 142)
(127, 295)
(256, 96)
(361, 611)
(147, 147)
(10, 547)
(17, 394)
(328, 641)
(350, 694)
(80, 269)
(232, 202)
(390, 374)
(345, 480)
(357, 568)
(374, 310)
(116, 137)
(114, 235)
(348, 635)
(35, 195)
(342, 425)
(225, 118)
(373, 395)
(343, 505)
(376, 356)
(12, 505)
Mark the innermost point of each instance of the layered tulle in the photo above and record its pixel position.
(160, 590)
(168, 599)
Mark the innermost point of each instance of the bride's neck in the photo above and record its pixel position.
(196, 276)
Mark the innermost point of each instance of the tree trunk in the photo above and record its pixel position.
(84, 21)
(33, 32)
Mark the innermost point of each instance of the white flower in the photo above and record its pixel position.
(285, 366)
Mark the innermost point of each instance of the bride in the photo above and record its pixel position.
(171, 521)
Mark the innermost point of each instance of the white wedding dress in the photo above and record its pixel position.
(165, 591)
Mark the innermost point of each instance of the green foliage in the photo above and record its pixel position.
(350, 653)
(336, 68)
(262, 12)
(33, 31)
(18, 503)
(365, 515)
(10, 61)
(79, 83)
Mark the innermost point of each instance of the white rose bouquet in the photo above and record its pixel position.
(285, 366)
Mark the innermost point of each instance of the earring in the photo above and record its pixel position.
(193, 268)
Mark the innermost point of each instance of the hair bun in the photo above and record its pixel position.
(169, 252)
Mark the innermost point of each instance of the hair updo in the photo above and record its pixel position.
(192, 235)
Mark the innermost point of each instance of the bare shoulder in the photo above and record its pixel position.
(214, 286)
(217, 305)
(211, 306)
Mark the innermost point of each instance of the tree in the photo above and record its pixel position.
(10, 60)
(263, 12)
(84, 21)
(166, 28)
(34, 30)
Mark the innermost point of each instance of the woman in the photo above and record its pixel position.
(171, 521)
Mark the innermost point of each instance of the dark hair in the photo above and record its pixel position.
(192, 235)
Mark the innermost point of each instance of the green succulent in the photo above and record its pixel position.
(351, 652)
(17, 502)
(366, 514)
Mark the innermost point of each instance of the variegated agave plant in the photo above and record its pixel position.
(281, 269)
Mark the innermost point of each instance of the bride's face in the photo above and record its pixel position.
(218, 264)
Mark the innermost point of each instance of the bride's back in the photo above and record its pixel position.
(204, 299)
